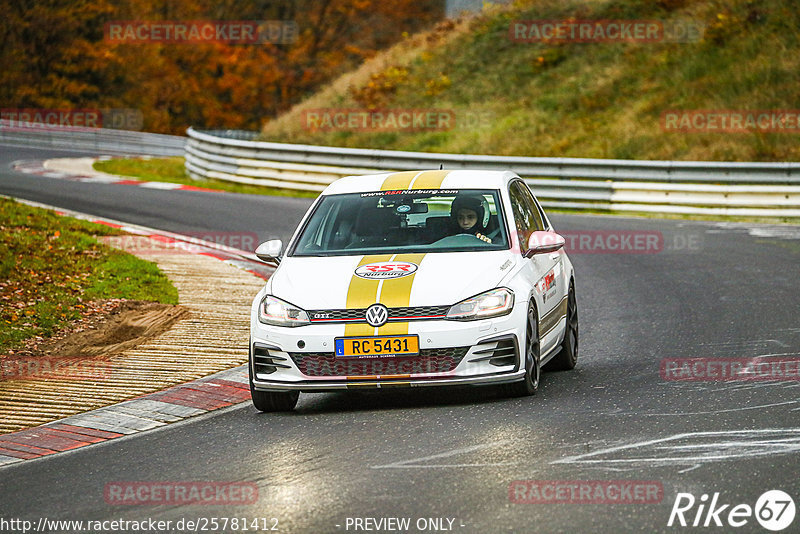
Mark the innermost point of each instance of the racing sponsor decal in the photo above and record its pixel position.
(386, 270)
(548, 280)
(389, 192)
(546, 283)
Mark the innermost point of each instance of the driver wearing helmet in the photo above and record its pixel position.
(467, 213)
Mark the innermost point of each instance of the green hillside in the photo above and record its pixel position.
(577, 99)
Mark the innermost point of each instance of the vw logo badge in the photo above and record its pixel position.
(377, 315)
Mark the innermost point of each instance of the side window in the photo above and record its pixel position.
(545, 224)
(526, 214)
(537, 215)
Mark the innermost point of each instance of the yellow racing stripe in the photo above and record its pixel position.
(429, 180)
(398, 181)
(396, 293)
(392, 293)
(363, 293)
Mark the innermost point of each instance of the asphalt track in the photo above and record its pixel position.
(714, 291)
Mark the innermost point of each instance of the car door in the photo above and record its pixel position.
(543, 271)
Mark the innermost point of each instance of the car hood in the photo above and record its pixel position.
(436, 279)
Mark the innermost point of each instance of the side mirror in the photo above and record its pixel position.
(543, 242)
(270, 251)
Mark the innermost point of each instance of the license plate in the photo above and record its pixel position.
(376, 347)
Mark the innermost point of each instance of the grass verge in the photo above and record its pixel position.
(172, 170)
(573, 99)
(52, 268)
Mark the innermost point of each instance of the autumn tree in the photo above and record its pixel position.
(55, 55)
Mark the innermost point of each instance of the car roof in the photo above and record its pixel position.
(426, 179)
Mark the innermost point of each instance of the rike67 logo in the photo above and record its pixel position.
(774, 510)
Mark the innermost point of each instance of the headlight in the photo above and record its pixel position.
(276, 312)
(493, 303)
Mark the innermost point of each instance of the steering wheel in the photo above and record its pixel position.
(494, 233)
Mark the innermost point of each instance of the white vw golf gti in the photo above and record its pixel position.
(418, 278)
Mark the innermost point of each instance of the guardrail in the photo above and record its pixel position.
(689, 187)
(94, 140)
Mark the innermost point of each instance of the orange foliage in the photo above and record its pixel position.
(57, 56)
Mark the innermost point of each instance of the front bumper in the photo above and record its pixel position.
(451, 354)
(338, 385)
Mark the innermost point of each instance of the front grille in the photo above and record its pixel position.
(411, 313)
(441, 360)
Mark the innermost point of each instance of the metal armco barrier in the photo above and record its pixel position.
(690, 187)
(94, 140)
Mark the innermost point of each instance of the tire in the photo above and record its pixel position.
(530, 384)
(274, 401)
(567, 357)
(271, 401)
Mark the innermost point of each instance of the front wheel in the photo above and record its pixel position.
(530, 384)
(567, 358)
(274, 401)
(271, 401)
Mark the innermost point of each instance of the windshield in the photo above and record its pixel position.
(404, 221)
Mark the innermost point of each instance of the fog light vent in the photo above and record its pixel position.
(266, 360)
(503, 353)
